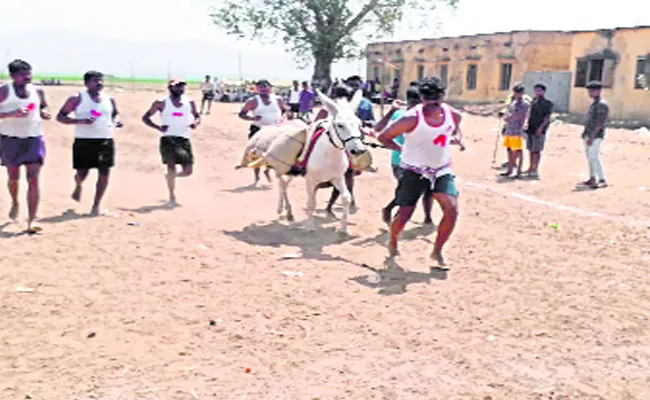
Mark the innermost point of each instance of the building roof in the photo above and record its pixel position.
(510, 33)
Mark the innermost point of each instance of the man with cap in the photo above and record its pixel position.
(267, 109)
(594, 134)
(429, 129)
(514, 130)
(178, 114)
(95, 123)
(22, 110)
(538, 121)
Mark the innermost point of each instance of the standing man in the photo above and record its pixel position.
(538, 122)
(267, 109)
(514, 132)
(294, 101)
(503, 112)
(395, 113)
(594, 134)
(429, 129)
(95, 122)
(178, 115)
(22, 110)
(306, 102)
(208, 89)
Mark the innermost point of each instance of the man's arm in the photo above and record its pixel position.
(146, 118)
(69, 106)
(283, 106)
(197, 116)
(44, 114)
(249, 106)
(401, 126)
(118, 123)
(457, 134)
(547, 119)
(381, 125)
(602, 112)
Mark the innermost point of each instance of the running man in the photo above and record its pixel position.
(294, 101)
(22, 110)
(540, 117)
(208, 90)
(429, 129)
(395, 113)
(178, 115)
(95, 123)
(594, 134)
(514, 131)
(267, 109)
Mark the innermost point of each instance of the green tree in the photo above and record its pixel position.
(322, 31)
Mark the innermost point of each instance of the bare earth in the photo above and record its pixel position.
(120, 306)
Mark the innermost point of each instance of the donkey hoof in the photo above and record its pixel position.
(290, 218)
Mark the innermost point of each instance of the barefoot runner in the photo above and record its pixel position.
(178, 114)
(95, 122)
(22, 109)
(267, 109)
(428, 129)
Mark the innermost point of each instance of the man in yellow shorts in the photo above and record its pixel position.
(504, 111)
(515, 119)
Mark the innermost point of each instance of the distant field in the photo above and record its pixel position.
(117, 79)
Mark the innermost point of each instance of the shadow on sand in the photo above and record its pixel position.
(67, 215)
(416, 233)
(311, 244)
(163, 205)
(249, 188)
(394, 279)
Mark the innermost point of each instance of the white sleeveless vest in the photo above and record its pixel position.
(32, 124)
(178, 119)
(103, 127)
(270, 113)
(428, 146)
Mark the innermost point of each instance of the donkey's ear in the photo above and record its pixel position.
(356, 100)
(328, 103)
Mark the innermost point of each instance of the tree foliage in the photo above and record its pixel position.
(321, 30)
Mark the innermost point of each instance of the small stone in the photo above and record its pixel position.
(91, 335)
(213, 323)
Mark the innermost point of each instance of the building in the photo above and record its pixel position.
(620, 58)
(483, 68)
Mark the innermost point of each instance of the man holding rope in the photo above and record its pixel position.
(428, 129)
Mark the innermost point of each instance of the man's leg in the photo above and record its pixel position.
(520, 161)
(209, 105)
(590, 160)
(171, 181)
(511, 162)
(13, 174)
(349, 182)
(33, 171)
(202, 105)
(598, 166)
(79, 178)
(409, 190)
(449, 206)
(403, 216)
(102, 182)
(427, 203)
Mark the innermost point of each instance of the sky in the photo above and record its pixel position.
(173, 23)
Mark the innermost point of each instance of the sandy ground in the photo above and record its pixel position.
(197, 302)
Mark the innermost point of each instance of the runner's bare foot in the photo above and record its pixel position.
(95, 211)
(76, 195)
(437, 257)
(392, 251)
(33, 228)
(13, 212)
(428, 221)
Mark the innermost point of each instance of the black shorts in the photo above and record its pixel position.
(93, 153)
(413, 185)
(295, 108)
(177, 150)
(253, 130)
(208, 96)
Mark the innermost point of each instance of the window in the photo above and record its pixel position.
(506, 76)
(420, 72)
(642, 73)
(444, 73)
(595, 70)
(470, 81)
(376, 72)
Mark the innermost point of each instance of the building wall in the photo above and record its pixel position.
(626, 45)
(526, 51)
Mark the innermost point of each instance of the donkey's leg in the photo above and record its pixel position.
(287, 204)
(311, 204)
(346, 199)
(282, 191)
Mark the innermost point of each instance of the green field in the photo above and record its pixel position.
(112, 80)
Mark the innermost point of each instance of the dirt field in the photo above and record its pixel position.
(197, 302)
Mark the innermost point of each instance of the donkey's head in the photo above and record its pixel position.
(346, 126)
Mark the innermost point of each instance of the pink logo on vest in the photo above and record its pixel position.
(177, 114)
(95, 113)
(441, 140)
(31, 106)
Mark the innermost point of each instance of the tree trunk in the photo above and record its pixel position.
(322, 71)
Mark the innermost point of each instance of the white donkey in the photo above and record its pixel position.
(328, 160)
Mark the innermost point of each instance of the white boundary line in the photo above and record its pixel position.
(556, 206)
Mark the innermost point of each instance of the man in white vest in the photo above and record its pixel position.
(95, 122)
(22, 110)
(429, 129)
(178, 115)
